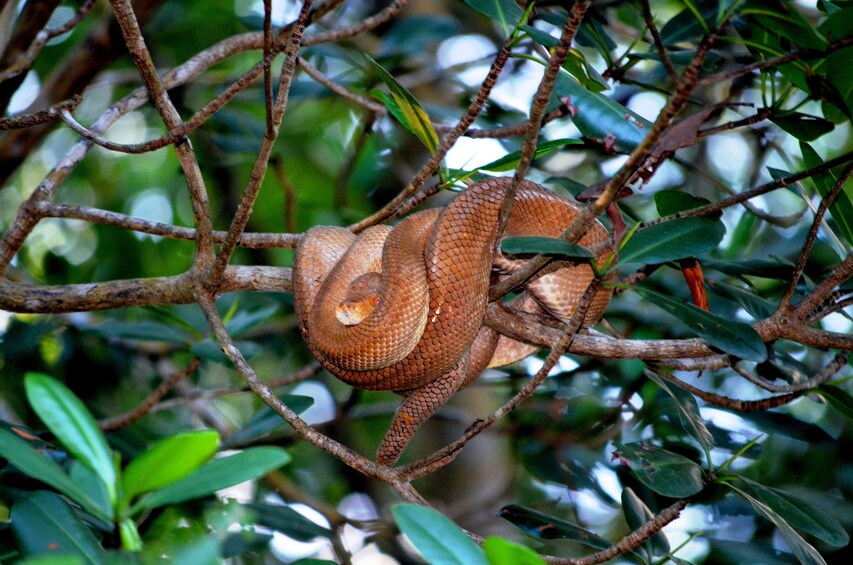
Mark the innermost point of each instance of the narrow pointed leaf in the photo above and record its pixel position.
(804, 551)
(505, 12)
(841, 209)
(70, 421)
(44, 524)
(547, 245)
(437, 538)
(838, 398)
(665, 472)
(543, 526)
(415, 118)
(20, 454)
(510, 161)
(688, 412)
(731, 336)
(288, 521)
(636, 514)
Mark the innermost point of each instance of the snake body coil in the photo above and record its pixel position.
(402, 309)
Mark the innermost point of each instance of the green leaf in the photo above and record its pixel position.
(803, 126)
(506, 13)
(510, 161)
(504, 552)
(543, 526)
(600, 118)
(759, 308)
(44, 524)
(799, 513)
(838, 398)
(805, 553)
(437, 538)
(141, 330)
(670, 202)
(752, 268)
(841, 209)
(244, 320)
(266, 420)
(287, 521)
(731, 336)
(38, 466)
(548, 245)
(636, 514)
(70, 421)
(665, 472)
(53, 560)
(415, 119)
(92, 485)
(673, 240)
(167, 461)
(209, 350)
(688, 412)
(217, 475)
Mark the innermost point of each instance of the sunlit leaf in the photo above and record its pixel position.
(217, 475)
(665, 472)
(437, 538)
(415, 119)
(548, 527)
(731, 336)
(44, 524)
(168, 460)
(70, 421)
(504, 552)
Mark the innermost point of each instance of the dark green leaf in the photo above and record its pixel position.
(504, 552)
(759, 308)
(168, 460)
(669, 241)
(685, 26)
(505, 12)
(548, 245)
(70, 421)
(636, 514)
(806, 554)
(415, 119)
(437, 538)
(838, 398)
(244, 320)
(142, 330)
(688, 412)
(266, 420)
(44, 524)
(547, 527)
(209, 350)
(751, 267)
(242, 542)
(731, 336)
(670, 202)
(92, 484)
(799, 513)
(841, 209)
(288, 521)
(803, 126)
(36, 465)
(510, 161)
(219, 474)
(601, 119)
(665, 472)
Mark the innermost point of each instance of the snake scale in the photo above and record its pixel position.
(402, 308)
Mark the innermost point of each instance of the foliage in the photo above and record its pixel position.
(708, 136)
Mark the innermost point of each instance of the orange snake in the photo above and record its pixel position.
(402, 309)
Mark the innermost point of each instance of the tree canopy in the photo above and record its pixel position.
(160, 160)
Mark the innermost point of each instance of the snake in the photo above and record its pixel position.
(401, 308)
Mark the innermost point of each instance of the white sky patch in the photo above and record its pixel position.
(26, 94)
(470, 153)
(323, 408)
(154, 205)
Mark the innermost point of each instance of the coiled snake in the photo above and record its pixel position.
(402, 308)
